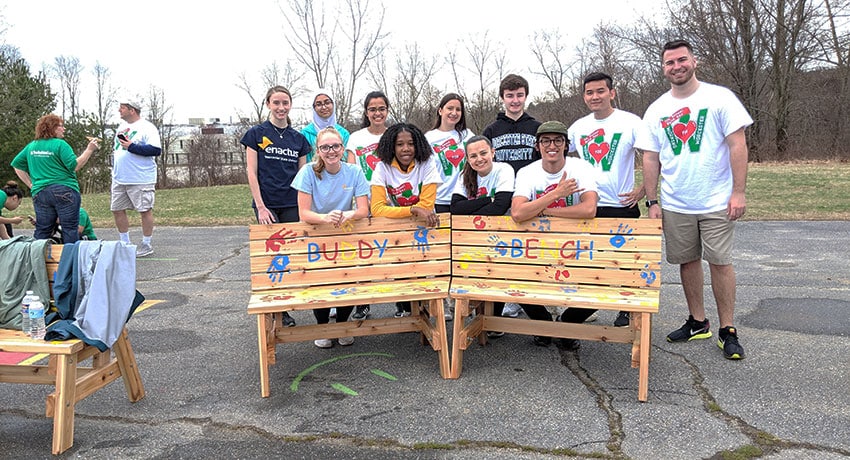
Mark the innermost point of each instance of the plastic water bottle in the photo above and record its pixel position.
(25, 311)
(37, 329)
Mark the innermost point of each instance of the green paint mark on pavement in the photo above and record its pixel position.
(344, 389)
(297, 380)
(383, 374)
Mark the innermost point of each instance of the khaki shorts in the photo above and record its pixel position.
(139, 197)
(689, 237)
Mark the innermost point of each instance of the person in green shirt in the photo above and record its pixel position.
(84, 229)
(10, 198)
(48, 166)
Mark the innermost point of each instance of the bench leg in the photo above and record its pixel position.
(129, 369)
(264, 326)
(63, 416)
(441, 334)
(644, 325)
(461, 313)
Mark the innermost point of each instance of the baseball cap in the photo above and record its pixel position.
(553, 127)
(133, 103)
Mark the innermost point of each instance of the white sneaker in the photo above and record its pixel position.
(511, 310)
(332, 314)
(591, 318)
(324, 343)
(447, 313)
(144, 250)
(346, 341)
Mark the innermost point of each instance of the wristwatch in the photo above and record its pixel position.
(649, 203)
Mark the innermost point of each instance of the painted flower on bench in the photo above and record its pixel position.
(648, 275)
(620, 238)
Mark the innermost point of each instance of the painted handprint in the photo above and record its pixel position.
(280, 238)
(277, 268)
(622, 235)
(420, 236)
(648, 274)
(544, 224)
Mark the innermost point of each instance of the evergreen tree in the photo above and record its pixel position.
(24, 98)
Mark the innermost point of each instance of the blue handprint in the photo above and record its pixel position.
(421, 238)
(619, 239)
(648, 275)
(277, 268)
(343, 291)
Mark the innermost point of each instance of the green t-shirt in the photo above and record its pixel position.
(3, 198)
(48, 162)
(85, 222)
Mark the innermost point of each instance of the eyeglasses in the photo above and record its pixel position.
(325, 103)
(376, 109)
(558, 141)
(327, 148)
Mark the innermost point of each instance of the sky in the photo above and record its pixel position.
(195, 51)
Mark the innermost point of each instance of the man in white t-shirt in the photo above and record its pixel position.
(697, 145)
(555, 185)
(137, 144)
(605, 138)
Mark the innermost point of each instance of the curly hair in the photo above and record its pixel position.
(46, 126)
(386, 146)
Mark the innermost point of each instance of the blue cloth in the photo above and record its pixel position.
(94, 292)
(334, 191)
(57, 201)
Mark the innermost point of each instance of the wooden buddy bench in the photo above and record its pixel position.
(298, 266)
(72, 381)
(608, 264)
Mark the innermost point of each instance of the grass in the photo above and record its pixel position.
(775, 191)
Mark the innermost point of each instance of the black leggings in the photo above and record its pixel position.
(323, 314)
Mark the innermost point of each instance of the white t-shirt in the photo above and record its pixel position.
(690, 136)
(450, 155)
(402, 188)
(500, 179)
(129, 168)
(334, 191)
(363, 144)
(533, 181)
(608, 146)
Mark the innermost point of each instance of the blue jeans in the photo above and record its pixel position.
(57, 201)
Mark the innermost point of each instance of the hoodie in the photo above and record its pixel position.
(514, 140)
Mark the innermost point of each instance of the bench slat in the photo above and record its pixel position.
(347, 294)
(368, 258)
(359, 227)
(375, 273)
(593, 226)
(607, 298)
(601, 259)
(562, 275)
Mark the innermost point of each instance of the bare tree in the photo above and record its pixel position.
(68, 69)
(159, 113)
(313, 38)
(550, 55)
(411, 91)
(484, 60)
(271, 75)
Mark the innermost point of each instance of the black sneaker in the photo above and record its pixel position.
(360, 312)
(622, 319)
(542, 341)
(728, 342)
(692, 330)
(288, 321)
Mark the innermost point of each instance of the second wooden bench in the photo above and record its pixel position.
(608, 264)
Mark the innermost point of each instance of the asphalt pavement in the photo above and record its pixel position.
(383, 397)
